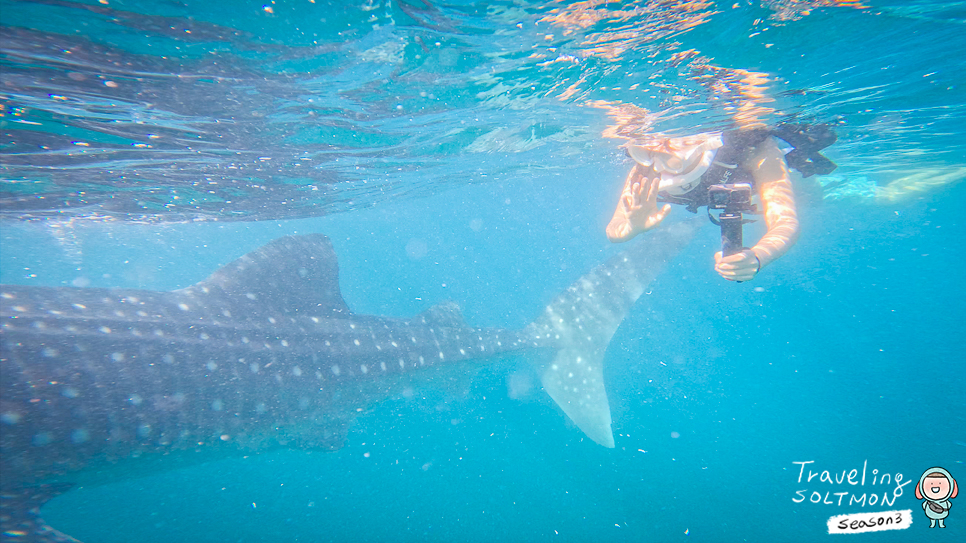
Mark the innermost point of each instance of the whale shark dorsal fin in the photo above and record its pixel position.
(293, 274)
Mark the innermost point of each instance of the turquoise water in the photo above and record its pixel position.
(491, 186)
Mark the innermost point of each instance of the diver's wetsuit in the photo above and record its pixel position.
(737, 145)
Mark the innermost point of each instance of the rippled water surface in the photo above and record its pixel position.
(190, 110)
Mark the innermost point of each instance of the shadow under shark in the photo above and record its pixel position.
(264, 353)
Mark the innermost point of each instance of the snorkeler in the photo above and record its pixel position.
(745, 160)
(682, 170)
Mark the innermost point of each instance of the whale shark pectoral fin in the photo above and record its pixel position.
(20, 518)
(575, 381)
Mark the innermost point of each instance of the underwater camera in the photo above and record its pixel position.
(732, 201)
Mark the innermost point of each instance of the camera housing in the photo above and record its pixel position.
(734, 198)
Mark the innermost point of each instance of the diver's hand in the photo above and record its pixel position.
(642, 203)
(743, 266)
(637, 210)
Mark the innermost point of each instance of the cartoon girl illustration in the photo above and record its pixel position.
(936, 487)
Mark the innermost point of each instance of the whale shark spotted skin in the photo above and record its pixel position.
(264, 353)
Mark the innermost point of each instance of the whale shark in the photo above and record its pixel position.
(264, 353)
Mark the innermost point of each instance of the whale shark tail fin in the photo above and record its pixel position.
(581, 321)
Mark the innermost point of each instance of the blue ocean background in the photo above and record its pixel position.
(846, 352)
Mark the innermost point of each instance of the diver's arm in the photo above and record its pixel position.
(768, 167)
(770, 171)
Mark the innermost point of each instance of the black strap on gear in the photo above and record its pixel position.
(807, 140)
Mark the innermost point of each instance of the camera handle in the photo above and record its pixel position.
(731, 223)
(731, 239)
